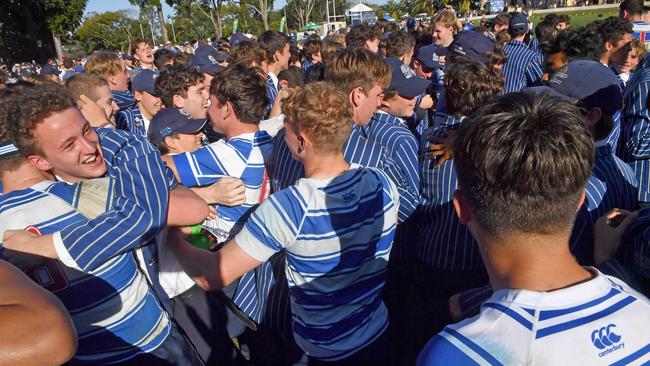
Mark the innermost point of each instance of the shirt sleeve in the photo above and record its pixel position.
(534, 72)
(274, 225)
(209, 164)
(139, 200)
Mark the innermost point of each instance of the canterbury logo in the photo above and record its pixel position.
(604, 337)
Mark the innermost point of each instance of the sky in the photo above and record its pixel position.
(113, 5)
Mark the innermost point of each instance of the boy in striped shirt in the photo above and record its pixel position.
(336, 227)
(519, 198)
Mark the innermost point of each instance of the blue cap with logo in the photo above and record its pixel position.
(169, 121)
(237, 38)
(403, 79)
(473, 45)
(518, 24)
(48, 69)
(207, 62)
(589, 82)
(429, 56)
(145, 80)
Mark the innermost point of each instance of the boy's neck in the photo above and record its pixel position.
(23, 177)
(237, 128)
(531, 262)
(324, 166)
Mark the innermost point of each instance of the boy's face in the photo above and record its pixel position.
(442, 36)
(196, 102)
(283, 57)
(421, 70)
(107, 102)
(400, 106)
(366, 105)
(187, 142)
(149, 104)
(70, 146)
(144, 53)
(373, 44)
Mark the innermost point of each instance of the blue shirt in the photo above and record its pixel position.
(522, 69)
(635, 140)
(443, 241)
(337, 235)
(131, 119)
(123, 98)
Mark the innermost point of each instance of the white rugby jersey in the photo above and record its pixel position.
(598, 322)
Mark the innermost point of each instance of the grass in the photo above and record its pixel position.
(581, 18)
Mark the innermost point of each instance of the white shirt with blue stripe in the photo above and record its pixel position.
(337, 234)
(522, 69)
(243, 157)
(598, 322)
(116, 315)
(132, 120)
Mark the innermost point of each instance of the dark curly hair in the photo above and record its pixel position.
(469, 84)
(245, 89)
(176, 80)
(28, 109)
(613, 29)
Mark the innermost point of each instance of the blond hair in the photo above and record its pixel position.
(323, 113)
(359, 67)
(104, 64)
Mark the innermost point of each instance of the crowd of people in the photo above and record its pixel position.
(451, 195)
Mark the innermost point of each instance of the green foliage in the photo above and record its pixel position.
(63, 16)
(113, 30)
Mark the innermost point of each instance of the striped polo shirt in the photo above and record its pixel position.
(522, 69)
(123, 98)
(337, 234)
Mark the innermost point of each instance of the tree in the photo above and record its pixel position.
(62, 17)
(262, 8)
(212, 9)
(113, 30)
(159, 11)
(301, 10)
(395, 8)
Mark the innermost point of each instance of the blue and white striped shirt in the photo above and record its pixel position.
(611, 185)
(271, 92)
(116, 315)
(443, 242)
(389, 132)
(123, 98)
(243, 157)
(635, 140)
(337, 235)
(598, 322)
(131, 119)
(522, 69)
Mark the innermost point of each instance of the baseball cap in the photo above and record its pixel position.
(172, 120)
(48, 69)
(237, 38)
(473, 45)
(221, 56)
(589, 82)
(145, 80)
(127, 56)
(518, 24)
(206, 49)
(428, 56)
(403, 79)
(206, 63)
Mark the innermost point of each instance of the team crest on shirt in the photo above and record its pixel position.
(606, 340)
(349, 195)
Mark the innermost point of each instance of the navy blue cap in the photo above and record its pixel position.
(145, 80)
(473, 45)
(518, 24)
(428, 56)
(221, 56)
(206, 63)
(172, 120)
(237, 38)
(127, 56)
(48, 69)
(403, 79)
(206, 49)
(589, 82)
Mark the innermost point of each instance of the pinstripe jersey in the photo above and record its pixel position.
(242, 157)
(637, 251)
(115, 313)
(132, 120)
(271, 92)
(534, 46)
(443, 242)
(123, 98)
(611, 185)
(598, 322)
(337, 235)
(635, 127)
(391, 133)
(522, 69)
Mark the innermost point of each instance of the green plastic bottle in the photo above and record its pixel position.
(198, 239)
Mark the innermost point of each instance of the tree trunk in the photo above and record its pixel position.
(163, 29)
(57, 46)
(216, 6)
